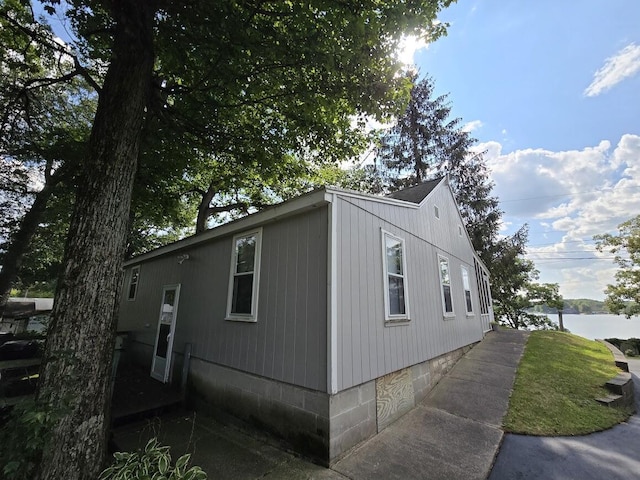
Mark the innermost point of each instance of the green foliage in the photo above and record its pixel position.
(154, 463)
(24, 437)
(630, 347)
(624, 296)
(558, 379)
(513, 285)
(426, 143)
(575, 305)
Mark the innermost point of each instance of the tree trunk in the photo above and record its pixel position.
(21, 239)
(203, 208)
(75, 376)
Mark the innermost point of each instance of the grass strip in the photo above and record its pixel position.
(558, 379)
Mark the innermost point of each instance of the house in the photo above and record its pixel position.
(322, 319)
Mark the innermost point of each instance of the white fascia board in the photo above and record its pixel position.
(373, 198)
(276, 212)
(271, 214)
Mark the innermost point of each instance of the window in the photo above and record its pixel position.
(395, 280)
(436, 211)
(467, 290)
(243, 283)
(445, 281)
(133, 283)
(460, 230)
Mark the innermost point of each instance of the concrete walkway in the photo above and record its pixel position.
(612, 455)
(453, 435)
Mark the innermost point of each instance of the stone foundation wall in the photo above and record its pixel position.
(352, 418)
(322, 426)
(361, 412)
(297, 415)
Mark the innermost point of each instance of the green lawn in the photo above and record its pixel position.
(558, 379)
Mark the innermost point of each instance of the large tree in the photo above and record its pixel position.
(424, 143)
(624, 295)
(253, 80)
(513, 284)
(43, 126)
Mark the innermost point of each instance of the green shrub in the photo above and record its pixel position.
(23, 438)
(152, 464)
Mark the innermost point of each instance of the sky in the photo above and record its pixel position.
(551, 91)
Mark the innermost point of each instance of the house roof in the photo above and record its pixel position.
(410, 197)
(417, 193)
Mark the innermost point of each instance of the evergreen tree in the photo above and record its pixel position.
(426, 143)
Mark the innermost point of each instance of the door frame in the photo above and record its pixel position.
(167, 369)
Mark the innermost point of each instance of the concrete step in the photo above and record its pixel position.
(621, 384)
(612, 400)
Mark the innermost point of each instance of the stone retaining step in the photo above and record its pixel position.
(611, 400)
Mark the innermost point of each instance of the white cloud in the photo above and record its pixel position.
(471, 126)
(569, 196)
(624, 64)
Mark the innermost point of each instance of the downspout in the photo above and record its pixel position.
(332, 296)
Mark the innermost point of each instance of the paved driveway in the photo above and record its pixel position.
(612, 455)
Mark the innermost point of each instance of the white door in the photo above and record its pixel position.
(160, 367)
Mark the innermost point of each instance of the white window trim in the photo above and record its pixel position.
(463, 269)
(137, 284)
(396, 319)
(253, 316)
(452, 313)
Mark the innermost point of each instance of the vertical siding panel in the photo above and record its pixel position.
(317, 336)
(356, 291)
(292, 291)
(269, 302)
(281, 309)
(366, 285)
(301, 300)
(344, 319)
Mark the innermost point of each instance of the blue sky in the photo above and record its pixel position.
(551, 90)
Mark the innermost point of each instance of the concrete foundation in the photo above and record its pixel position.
(316, 424)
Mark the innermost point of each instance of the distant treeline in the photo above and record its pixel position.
(630, 347)
(578, 305)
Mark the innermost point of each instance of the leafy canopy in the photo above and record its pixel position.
(624, 295)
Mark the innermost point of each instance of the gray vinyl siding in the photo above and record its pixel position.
(288, 341)
(367, 347)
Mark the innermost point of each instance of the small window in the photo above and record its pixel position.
(467, 290)
(445, 281)
(460, 230)
(436, 211)
(395, 279)
(243, 282)
(133, 283)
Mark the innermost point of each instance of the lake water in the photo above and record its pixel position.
(600, 326)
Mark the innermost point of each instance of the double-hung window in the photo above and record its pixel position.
(467, 289)
(445, 282)
(133, 283)
(243, 282)
(395, 278)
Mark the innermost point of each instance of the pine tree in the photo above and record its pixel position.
(426, 143)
